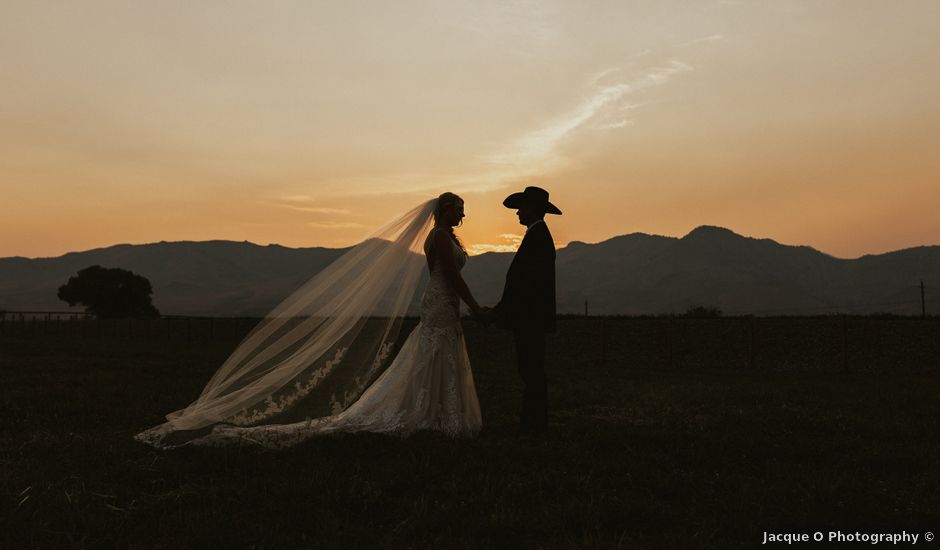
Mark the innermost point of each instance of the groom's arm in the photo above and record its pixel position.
(536, 283)
(544, 285)
(519, 290)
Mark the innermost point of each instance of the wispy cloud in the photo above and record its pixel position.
(317, 209)
(306, 203)
(522, 27)
(606, 93)
(712, 38)
(298, 198)
(510, 244)
(605, 106)
(622, 123)
(335, 225)
(421, 184)
(597, 78)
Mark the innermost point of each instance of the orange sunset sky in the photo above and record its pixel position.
(309, 123)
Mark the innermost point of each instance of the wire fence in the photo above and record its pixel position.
(74, 325)
(838, 343)
(835, 343)
(914, 300)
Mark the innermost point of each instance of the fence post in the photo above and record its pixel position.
(750, 343)
(923, 302)
(669, 336)
(845, 343)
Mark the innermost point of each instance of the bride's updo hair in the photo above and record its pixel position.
(445, 201)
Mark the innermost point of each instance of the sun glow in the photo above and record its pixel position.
(313, 125)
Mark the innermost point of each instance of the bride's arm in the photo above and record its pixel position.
(444, 250)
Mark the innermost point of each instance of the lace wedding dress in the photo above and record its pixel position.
(428, 386)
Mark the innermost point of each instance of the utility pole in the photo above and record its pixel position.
(923, 303)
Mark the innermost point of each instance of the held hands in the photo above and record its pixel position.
(484, 315)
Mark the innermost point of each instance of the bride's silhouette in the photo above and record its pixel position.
(324, 345)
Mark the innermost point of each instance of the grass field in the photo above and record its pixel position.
(674, 441)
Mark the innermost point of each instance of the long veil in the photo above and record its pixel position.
(316, 352)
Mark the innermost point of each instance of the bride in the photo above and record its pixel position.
(310, 366)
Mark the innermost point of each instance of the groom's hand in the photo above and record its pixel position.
(486, 315)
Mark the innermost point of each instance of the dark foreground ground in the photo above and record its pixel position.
(656, 447)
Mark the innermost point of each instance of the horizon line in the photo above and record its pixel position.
(561, 247)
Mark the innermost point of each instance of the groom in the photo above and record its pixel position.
(528, 303)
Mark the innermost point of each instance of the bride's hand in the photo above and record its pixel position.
(483, 314)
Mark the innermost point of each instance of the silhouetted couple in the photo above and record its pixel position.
(312, 366)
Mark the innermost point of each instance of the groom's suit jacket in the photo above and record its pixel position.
(528, 300)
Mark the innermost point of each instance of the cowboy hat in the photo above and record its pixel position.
(535, 196)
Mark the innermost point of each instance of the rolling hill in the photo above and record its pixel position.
(631, 274)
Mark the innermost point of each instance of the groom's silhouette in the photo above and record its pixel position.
(528, 303)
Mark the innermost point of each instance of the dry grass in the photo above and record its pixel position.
(707, 453)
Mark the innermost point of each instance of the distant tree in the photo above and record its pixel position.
(703, 312)
(110, 292)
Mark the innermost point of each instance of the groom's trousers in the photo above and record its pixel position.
(530, 354)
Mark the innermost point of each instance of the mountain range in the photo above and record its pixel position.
(633, 274)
